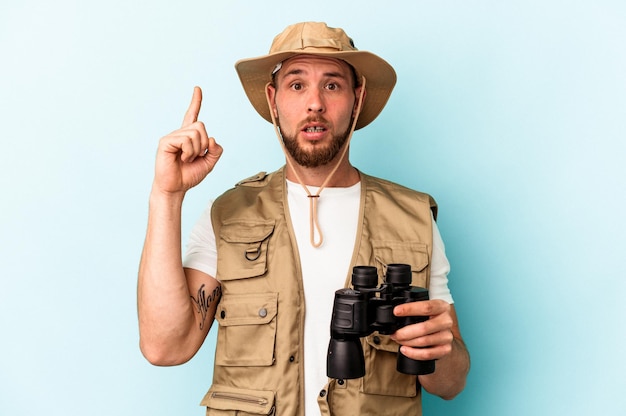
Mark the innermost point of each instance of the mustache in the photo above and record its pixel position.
(313, 119)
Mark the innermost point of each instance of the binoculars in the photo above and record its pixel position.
(365, 308)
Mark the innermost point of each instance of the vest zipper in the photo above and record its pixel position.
(240, 398)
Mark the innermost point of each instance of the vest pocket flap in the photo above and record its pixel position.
(247, 309)
(421, 261)
(246, 335)
(382, 342)
(414, 253)
(242, 248)
(247, 231)
(256, 402)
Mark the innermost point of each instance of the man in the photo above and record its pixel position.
(267, 256)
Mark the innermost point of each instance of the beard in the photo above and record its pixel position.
(319, 155)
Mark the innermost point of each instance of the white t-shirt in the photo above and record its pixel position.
(324, 269)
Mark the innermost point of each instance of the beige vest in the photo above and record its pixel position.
(259, 367)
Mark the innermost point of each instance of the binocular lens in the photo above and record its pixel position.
(364, 277)
(399, 274)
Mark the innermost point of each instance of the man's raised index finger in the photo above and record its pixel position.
(191, 116)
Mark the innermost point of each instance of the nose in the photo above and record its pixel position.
(315, 103)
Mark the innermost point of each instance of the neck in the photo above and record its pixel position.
(346, 174)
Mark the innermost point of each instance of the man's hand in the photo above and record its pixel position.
(187, 155)
(439, 339)
(434, 336)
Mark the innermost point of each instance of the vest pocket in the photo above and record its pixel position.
(381, 376)
(242, 249)
(226, 401)
(413, 253)
(247, 329)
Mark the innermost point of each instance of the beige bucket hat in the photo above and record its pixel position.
(315, 38)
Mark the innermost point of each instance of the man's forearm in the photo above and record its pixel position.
(163, 301)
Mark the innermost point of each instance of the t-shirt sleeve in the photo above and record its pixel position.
(201, 253)
(439, 269)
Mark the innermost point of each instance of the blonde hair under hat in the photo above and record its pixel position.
(314, 38)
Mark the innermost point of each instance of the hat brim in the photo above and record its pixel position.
(255, 73)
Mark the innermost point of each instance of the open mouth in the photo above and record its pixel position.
(315, 129)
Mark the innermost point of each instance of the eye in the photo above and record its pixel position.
(332, 86)
(296, 86)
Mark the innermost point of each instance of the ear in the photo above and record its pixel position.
(357, 93)
(271, 94)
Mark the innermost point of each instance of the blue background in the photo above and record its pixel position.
(511, 113)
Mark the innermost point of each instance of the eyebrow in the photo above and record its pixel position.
(331, 74)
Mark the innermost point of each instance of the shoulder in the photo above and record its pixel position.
(396, 192)
(374, 183)
(259, 179)
(245, 191)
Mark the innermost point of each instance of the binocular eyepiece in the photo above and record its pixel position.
(365, 308)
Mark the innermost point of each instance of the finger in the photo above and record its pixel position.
(185, 143)
(428, 353)
(189, 148)
(191, 116)
(211, 154)
(213, 150)
(421, 308)
(434, 325)
(197, 136)
(205, 144)
(427, 340)
(196, 140)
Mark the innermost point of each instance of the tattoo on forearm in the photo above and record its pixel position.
(203, 303)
